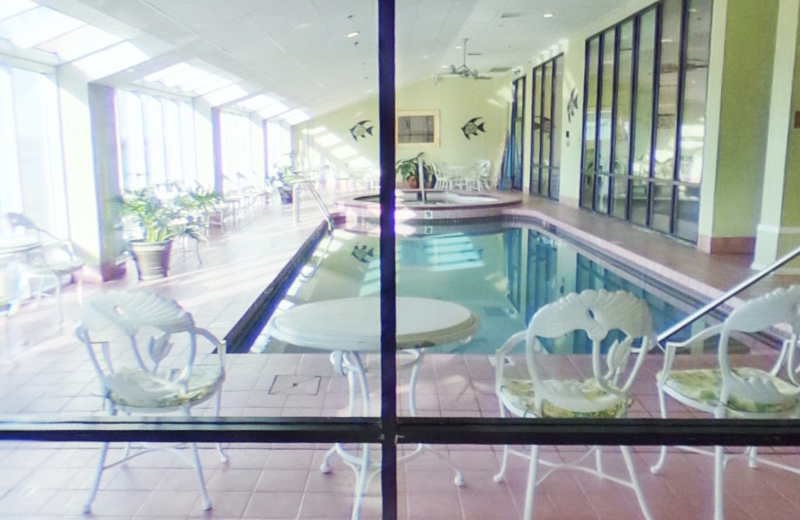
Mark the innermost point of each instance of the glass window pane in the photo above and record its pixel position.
(557, 127)
(545, 122)
(619, 197)
(644, 94)
(688, 212)
(153, 140)
(606, 123)
(10, 189)
(661, 208)
(666, 122)
(639, 202)
(590, 130)
(623, 127)
(694, 94)
(555, 178)
(587, 191)
(536, 113)
(601, 193)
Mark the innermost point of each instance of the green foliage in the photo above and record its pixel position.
(162, 219)
(407, 169)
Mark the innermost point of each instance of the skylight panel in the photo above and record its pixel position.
(327, 140)
(257, 102)
(111, 60)
(273, 110)
(295, 117)
(189, 79)
(35, 26)
(80, 42)
(206, 84)
(225, 94)
(9, 8)
(343, 152)
(158, 75)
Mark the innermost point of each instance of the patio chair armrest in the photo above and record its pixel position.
(672, 347)
(220, 345)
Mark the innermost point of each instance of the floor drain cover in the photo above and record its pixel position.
(295, 385)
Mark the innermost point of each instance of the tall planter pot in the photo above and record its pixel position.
(152, 258)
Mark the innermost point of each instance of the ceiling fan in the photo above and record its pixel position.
(462, 71)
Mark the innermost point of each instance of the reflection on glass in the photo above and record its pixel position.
(601, 193)
(661, 208)
(688, 212)
(545, 122)
(638, 195)
(644, 94)
(694, 95)
(587, 191)
(667, 120)
(557, 127)
(619, 198)
(606, 122)
(623, 127)
(590, 130)
(536, 146)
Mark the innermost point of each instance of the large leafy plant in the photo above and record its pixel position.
(407, 169)
(161, 219)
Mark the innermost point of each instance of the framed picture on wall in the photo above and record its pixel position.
(417, 129)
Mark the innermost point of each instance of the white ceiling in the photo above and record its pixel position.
(298, 52)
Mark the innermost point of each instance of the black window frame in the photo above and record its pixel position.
(389, 430)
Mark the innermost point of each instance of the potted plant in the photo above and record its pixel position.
(407, 169)
(159, 221)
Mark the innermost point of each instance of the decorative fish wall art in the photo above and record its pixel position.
(572, 104)
(361, 129)
(473, 127)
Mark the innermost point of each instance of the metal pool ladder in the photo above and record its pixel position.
(296, 188)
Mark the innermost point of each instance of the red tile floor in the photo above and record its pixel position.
(45, 373)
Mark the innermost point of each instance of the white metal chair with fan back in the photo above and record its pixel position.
(743, 391)
(129, 337)
(605, 396)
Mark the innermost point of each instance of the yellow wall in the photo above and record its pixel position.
(457, 100)
(749, 49)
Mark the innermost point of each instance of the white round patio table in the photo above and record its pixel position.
(351, 326)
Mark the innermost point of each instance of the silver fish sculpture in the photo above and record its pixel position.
(362, 254)
(572, 104)
(473, 127)
(360, 130)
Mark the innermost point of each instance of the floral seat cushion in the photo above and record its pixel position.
(138, 389)
(705, 386)
(519, 393)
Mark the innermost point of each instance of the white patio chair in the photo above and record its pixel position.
(50, 262)
(606, 395)
(741, 391)
(129, 339)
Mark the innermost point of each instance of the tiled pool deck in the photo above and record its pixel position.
(46, 372)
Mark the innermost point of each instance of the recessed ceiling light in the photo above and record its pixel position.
(444, 66)
(459, 47)
(353, 34)
(548, 15)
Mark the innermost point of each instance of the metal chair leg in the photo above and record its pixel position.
(101, 465)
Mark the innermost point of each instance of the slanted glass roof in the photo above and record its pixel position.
(9, 8)
(35, 26)
(296, 116)
(226, 94)
(111, 60)
(80, 42)
(191, 80)
(272, 110)
(257, 102)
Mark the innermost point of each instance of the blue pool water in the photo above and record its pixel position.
(501, 271)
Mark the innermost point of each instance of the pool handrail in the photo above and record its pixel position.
(730, 293)
(296, 186)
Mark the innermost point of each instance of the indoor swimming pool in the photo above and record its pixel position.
(502, 271)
